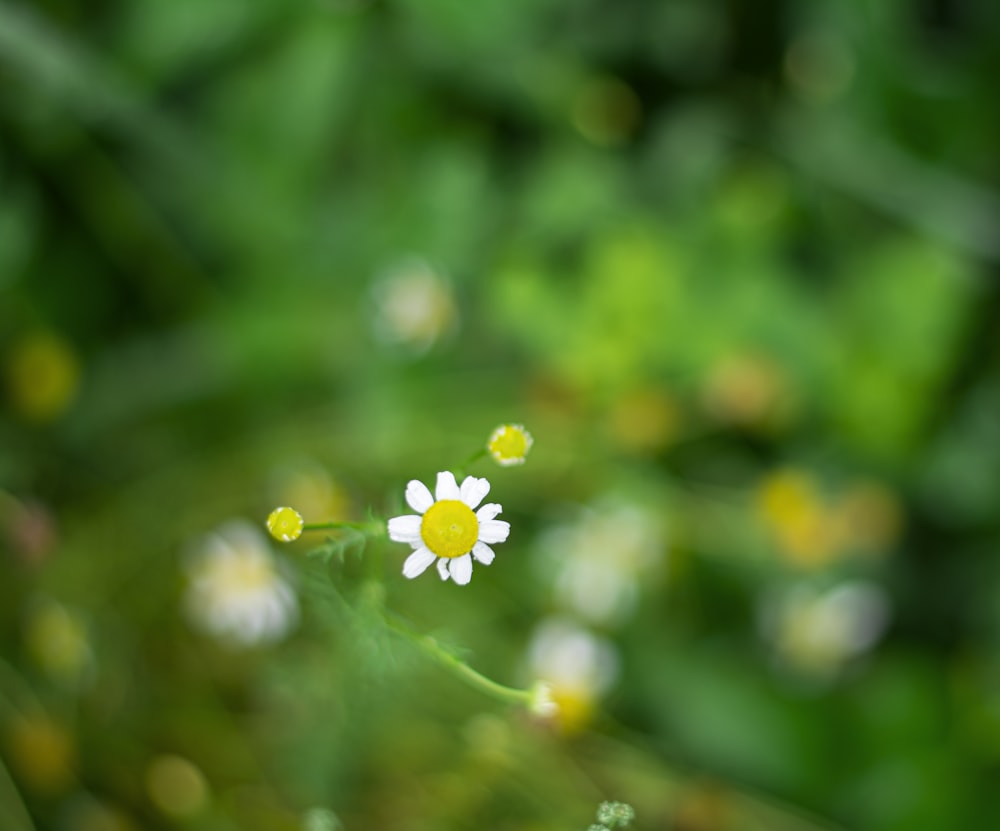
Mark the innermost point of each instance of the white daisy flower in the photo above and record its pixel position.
(236, 591)
(448, 528)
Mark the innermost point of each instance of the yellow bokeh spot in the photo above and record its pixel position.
(449, 528)
(787, 494)
(42, 753)
(56, 640)
(869, 517)
(176, 786)
(644, 420)
(792, 506)
(509, 444)
(606, 111)
(745, 389)
(575, 708)
(310, 488)
(43, 374)
(285, 524)
(96, 816)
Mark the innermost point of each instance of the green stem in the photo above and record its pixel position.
(431, 648)
(371, 529)
(475, 457)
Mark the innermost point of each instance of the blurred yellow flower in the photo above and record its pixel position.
(793, 508)
(285, 524)
(746, 389)
(644, 420)
(176, 786)
(869, 517)
(509, 444)
(813, 528)
(43, 375)
(310, 488)
(56, 640)
(42, 752)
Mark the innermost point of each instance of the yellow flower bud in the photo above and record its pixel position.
(509, 444)
(285, 524)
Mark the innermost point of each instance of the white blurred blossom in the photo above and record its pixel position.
(573, 666)
(818, 631)
(601, 558)
(236, 591)
(414, 305)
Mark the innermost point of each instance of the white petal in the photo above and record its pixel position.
(418, 561)
(493, 530)
(405, 528)
(418, 496)
(488, 511)
(461, 569)
(482, 552)
(442, 565)
(447, 487)
(474, 490)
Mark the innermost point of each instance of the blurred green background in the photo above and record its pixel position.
(734, 266)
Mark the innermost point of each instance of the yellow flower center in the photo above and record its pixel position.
(244, 573)
(449, 528)
(509, 443)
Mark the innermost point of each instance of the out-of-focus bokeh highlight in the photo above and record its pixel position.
(733, 267)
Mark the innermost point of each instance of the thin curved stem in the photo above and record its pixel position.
(431, 648)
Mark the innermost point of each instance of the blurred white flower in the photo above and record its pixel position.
(818, 631)
(448, 528)
(235, 590)
(414, 305)
(574, 668)
(601, 558)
